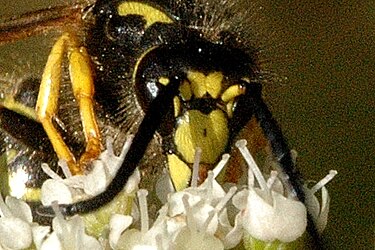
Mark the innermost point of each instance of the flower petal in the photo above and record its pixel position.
(195, 240)
(96, 181)
(15, 233)
(19, 208)
(91, 243)
(117, 225)
(285, 220)
(40, 234)
(239, 200)
(52, 242)
(234, 236)
(323, 216)
(53, 190)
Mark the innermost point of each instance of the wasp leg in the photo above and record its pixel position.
(157, 111)
(82, 84)
(83, 89)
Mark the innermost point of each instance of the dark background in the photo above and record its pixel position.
(326, 107)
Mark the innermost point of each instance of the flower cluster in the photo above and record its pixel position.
(204, 216)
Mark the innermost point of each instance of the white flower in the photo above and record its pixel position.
(266, 214)
(146, 238)
(191, 219)
(73, 188)
(16, 220)
(194, 218)
(68, 234)
(118, 224)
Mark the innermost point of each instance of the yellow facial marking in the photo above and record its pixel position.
(149, 13)
(232, 92)
(185, 91)
(177, 106)
(180, 172)
(246, 79)
(202, 84)
(197, 80)
(213, 83)
(209, 132)
(229, 107)
(164, 80)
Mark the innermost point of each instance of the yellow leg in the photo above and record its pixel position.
(83, 89)
(82, 83)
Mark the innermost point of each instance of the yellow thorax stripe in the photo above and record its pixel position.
(149, 13)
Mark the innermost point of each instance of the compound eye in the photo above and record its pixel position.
(125, 29)
(153, 72)
(147, 91)
(147, 78)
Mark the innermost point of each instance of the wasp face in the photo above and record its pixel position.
(214, 79)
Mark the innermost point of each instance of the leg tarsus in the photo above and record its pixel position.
(83, 89)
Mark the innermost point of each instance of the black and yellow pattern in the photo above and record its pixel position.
(180, 75)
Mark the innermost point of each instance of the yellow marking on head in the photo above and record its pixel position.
(197, 80)
(229, 107)
(180, 172)
(246, 79)
(232, 92)
(149, 13)
(164, 80)
(177, 106)
(209, 132)
(213, 83)
(202, 84)
(185, 91)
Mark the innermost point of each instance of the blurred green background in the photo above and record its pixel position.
(326, 107)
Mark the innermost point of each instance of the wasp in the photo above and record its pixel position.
(177, 74)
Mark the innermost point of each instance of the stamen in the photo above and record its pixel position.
(109, 145)
(324, 181)
(226, 198)
(142, 199)
(197, 158)
(64, 167)
(159, 241)
(126, 147)
(209, 180)
(241, 144)
(254, 170)
(189, 215)
(48, 171)
(220, 165)
(211, 215)
(56, 210)
(250, 178)
(272, 179)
